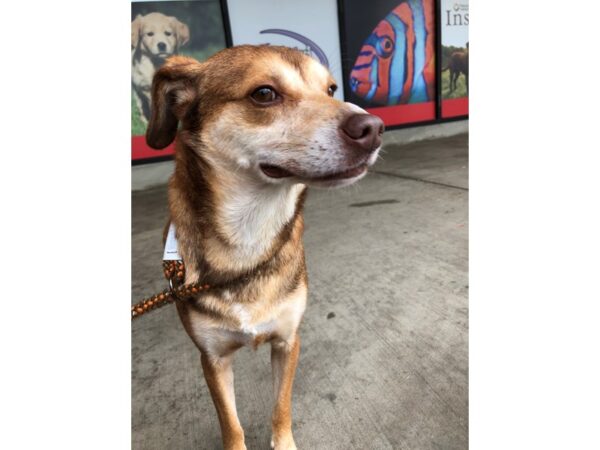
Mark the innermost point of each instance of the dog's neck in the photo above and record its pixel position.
(139, 52)
(242, 217)
(251, 214)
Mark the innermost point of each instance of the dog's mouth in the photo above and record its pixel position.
(273, 171)
(161, 55)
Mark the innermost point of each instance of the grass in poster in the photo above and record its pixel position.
(461, 86)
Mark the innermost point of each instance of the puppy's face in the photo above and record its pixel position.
(268, 111)
(160, 35)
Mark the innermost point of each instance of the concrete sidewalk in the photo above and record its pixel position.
(384, 352)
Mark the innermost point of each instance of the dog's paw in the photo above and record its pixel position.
(283, 443)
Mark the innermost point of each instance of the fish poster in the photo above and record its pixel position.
(454, 21)
(310, 26)
(389, 58)
(159, 30)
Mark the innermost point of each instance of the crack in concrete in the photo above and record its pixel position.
(422, 180)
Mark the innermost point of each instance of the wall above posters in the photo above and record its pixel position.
(159, 30)
(311, 26)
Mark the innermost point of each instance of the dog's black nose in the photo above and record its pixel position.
(363, 131)
(161, 46)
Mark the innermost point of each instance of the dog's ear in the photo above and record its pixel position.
(174, 93)
(183, 32)
(136, 27)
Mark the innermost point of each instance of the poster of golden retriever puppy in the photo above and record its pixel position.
(160, 30)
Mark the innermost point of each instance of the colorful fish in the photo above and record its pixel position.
(396, 63)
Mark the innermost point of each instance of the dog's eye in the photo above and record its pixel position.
(331, 90)
(151, 33)
(264, 95)
(168, 33)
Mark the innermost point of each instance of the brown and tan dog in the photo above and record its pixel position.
(255, 125)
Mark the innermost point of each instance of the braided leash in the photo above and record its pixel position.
(174, 272)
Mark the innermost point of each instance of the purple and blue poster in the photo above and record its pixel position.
(310, 26)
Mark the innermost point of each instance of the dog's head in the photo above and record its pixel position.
(265, 110)
(158, 35)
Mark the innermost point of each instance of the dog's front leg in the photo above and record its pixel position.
(284, 359)
(218, 372)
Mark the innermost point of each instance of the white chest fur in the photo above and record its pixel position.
(142, 72)
(253, 320)
(252, 217)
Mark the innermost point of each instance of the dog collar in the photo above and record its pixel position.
(174, 271)
(171, 252)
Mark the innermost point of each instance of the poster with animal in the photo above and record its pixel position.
(389, 58)
(159, 30)
(454, 20)
(310, 26)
